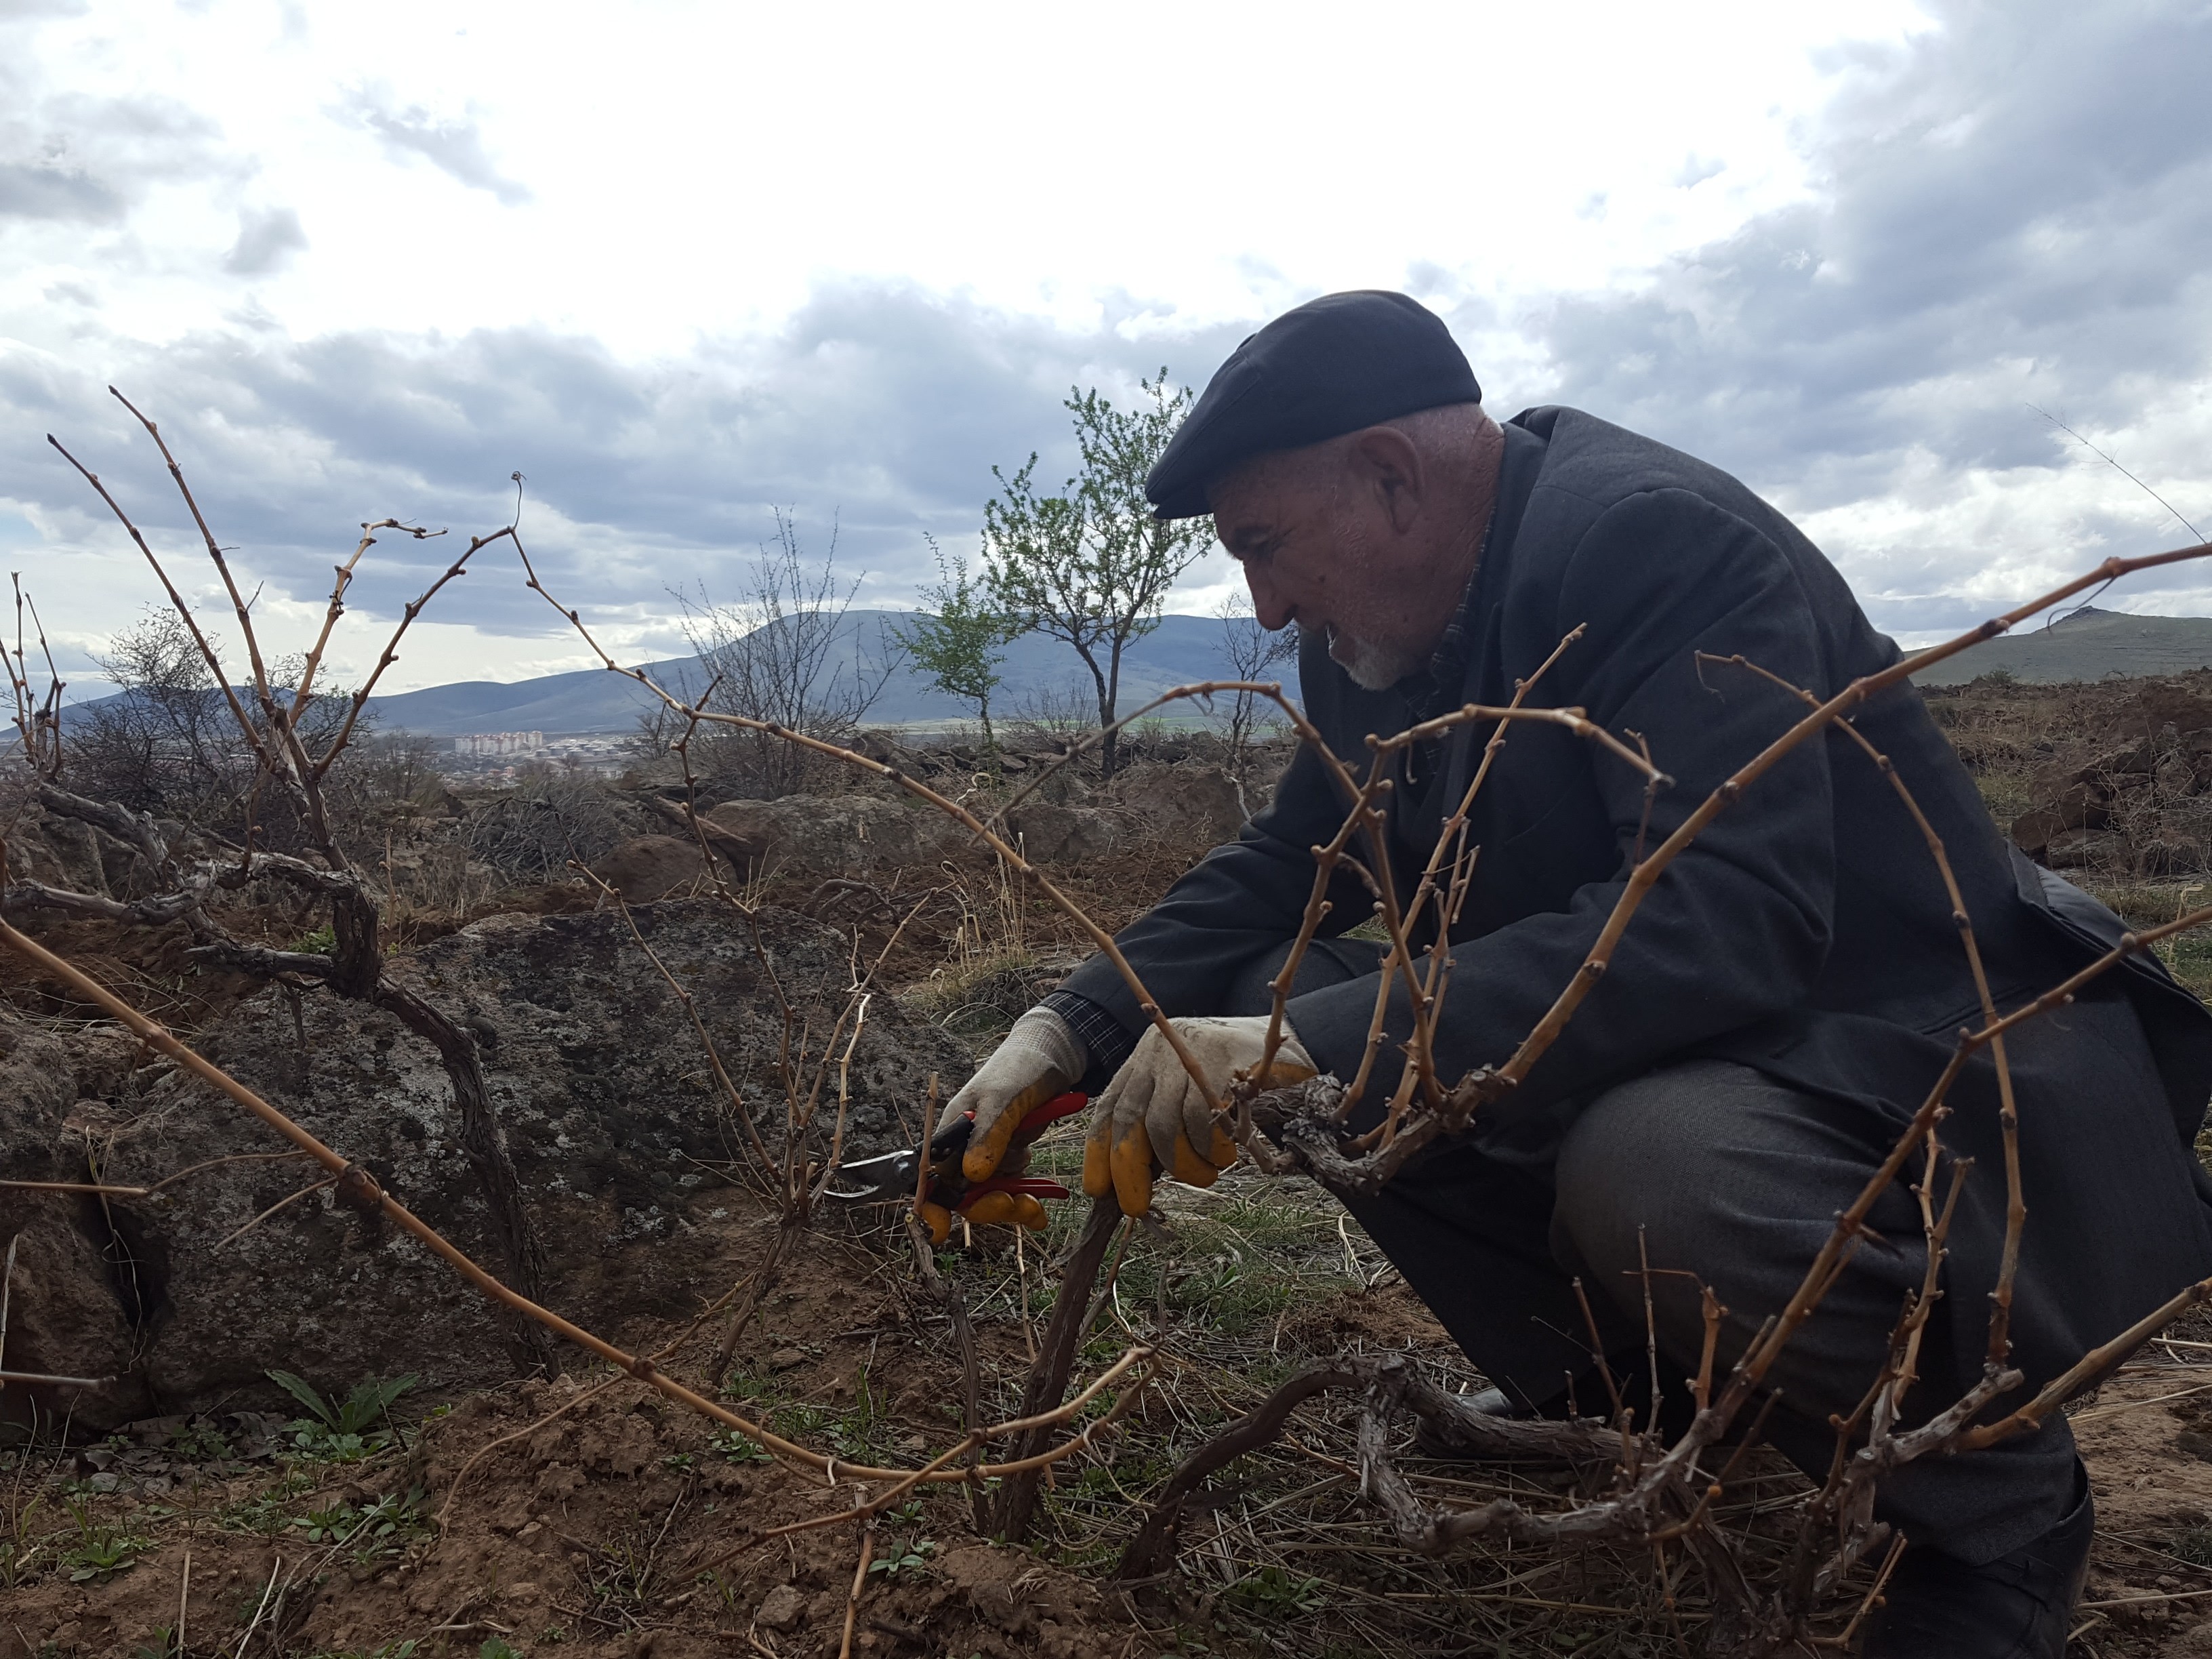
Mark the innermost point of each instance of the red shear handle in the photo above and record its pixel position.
(1044, 1117)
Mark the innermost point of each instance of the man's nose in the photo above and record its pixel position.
(1268, 605)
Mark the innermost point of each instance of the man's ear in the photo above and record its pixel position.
(1392, 468)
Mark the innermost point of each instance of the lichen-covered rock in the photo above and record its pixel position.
(626, 1147)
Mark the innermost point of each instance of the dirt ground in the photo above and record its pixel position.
(602, 1530)
(625, 1526)
(2150, 1467)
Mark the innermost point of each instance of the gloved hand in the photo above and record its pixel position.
(983, 1210)
(1152, 1117)
(1039, 1057)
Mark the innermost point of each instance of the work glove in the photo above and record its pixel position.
(1039, 1057)
(984, 1210)
(1153, 1119)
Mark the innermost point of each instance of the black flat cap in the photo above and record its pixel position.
(1333, 366)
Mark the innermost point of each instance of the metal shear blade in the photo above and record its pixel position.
(887, 1176)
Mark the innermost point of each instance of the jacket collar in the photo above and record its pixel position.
(1477, 625)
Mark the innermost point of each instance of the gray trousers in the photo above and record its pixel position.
(1722, 1173)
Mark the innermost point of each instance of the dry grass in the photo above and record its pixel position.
(1246, 1283)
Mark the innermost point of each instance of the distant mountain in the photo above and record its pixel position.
(589, 701)
(2086, 645)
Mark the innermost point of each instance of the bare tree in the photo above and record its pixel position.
(165, 743)
(1251, 650)
(786, 655)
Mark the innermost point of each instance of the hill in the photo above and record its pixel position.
(590, 702)
(1180, 650)
(2087, 645)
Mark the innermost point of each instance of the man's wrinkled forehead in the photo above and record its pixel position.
(1269, 494)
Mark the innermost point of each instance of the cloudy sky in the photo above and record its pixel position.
(683, 264)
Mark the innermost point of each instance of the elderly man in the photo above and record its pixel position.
(1779, 1006)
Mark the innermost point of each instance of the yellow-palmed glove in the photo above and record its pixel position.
(1039, 1057)
(1153, 1119)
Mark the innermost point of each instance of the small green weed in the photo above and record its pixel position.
(267, 1511)
(376, 1532)
(327, 1526)
(102, 1552)
(343, 1431)
(736, 1447)
(1275, 1593)
(854, 1433)
(910, 1558)
(200, 1443)
(742, 1384)
(2192, 1544)
(17, 1547)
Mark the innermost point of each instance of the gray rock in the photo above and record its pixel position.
(1184, 803)
(625, 1147)
(1069, 835)
(651, 867)
(782, 1608)
(1149, 804)
(71, 1300)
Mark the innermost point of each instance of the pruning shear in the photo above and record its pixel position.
(946, 1191)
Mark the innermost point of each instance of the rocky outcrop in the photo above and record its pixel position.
(626, 1152)
(1187, 806)
(649, 868)
(1187, 803)
(2142, 807)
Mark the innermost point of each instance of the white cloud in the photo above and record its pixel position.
(454, 146)
(2014, 211)
(718, 260)
(267, 238)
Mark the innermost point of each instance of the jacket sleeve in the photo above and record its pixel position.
(1739, 925)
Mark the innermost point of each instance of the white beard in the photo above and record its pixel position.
(1370, 667)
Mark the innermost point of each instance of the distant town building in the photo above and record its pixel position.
(500, 743)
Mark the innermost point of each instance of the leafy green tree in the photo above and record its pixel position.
(955, 642)
(1092, 565)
